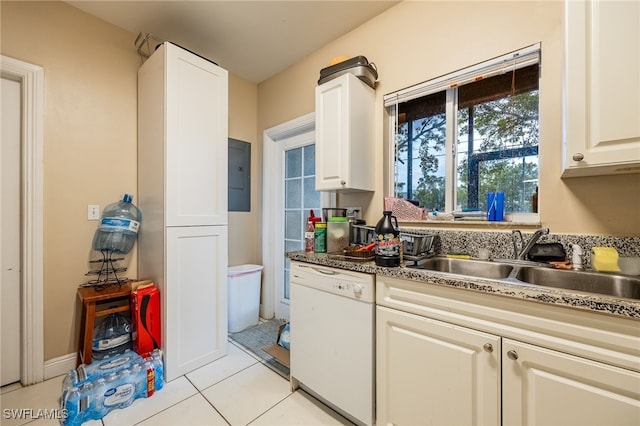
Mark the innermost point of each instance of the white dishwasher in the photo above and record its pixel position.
(332, 315)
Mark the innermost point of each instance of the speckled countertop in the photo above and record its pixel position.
(627, 308)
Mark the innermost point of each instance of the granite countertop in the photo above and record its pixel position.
(627, 308)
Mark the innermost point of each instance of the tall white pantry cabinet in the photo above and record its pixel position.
(182, 192)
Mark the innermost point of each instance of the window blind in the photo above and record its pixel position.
(506, 63)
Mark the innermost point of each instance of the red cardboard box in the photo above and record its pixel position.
(145, 317)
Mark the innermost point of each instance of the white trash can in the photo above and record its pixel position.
(243, 296)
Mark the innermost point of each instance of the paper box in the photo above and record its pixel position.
(280, 353)
(145, 317)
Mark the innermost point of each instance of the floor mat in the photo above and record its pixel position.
(257, 337)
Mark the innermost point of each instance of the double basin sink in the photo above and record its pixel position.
(609, 284)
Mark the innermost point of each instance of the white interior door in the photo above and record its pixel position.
(10, 232)
(297, 197)
(278, 140)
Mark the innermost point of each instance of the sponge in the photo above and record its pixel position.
(604, 259)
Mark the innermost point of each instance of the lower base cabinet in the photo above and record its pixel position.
(435, 372)
(546, 387)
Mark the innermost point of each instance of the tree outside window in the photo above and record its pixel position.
(496, 148)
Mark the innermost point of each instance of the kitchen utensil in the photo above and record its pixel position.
(358, 66)
(368, 247)
(546, 252)
(332, 212)
(416, 244)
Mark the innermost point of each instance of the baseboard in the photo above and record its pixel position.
(60, 365)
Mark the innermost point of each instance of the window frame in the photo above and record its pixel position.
(506, 63)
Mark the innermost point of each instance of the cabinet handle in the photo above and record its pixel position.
(578, 156)
(343, 183)
(512, 355)
(488, 347)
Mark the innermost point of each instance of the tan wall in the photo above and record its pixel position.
(418, 41)
(90, 143)
(90, 152)
(243, 226)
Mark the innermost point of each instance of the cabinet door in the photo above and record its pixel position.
(196, 140)
(195, 298)
(545, 387)
(432, 372)
(602, 88)
(344, 135)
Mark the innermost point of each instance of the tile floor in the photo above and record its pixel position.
(237, 389)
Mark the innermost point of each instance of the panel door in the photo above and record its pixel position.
(545, 387)
(195, 298)
(332, 134)
(602, 100)
(434, 373)
(10, 267)
(196, 140)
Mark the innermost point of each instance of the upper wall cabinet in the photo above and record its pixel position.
(601, 104)
(344, 135)
(182, 137)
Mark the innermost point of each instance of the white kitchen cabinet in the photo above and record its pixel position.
(182, 192)
(345, 135)
(545, 387)
(183, 137)
(431, 372)
(547, 365)
(601, 105)
(195, 296)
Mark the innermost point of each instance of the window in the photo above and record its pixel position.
(463, 135)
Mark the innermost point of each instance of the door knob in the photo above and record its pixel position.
(513, 355)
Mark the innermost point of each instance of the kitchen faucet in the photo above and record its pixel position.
(525, 247)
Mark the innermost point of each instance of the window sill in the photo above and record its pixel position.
(520, 221)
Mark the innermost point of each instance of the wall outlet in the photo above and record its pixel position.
(93, 212)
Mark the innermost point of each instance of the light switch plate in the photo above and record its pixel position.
(93, 212)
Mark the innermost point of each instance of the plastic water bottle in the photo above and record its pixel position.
(120, 390)
(97, 410)
(150, 375)
(156, 355)
(86, 394)
(70, 380)
(71, 407)
(118, 227)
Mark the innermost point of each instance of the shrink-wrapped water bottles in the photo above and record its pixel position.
(118, 227)
(93, 390)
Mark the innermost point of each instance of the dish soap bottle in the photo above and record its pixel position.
(388, 249)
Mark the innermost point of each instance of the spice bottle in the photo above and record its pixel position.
(309, 237)
(320, 235)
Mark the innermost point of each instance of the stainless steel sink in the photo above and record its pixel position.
(591, 282)
(473, 268)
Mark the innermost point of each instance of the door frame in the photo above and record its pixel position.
(272, 226)
(31, 79)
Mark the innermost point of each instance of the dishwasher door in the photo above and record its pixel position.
(332, 317)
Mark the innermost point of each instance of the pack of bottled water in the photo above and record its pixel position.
(91, 391)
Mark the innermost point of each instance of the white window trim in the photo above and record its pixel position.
(505, 63)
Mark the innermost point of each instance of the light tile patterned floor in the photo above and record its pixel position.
(235, 390)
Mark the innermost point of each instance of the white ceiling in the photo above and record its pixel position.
(252, 39)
